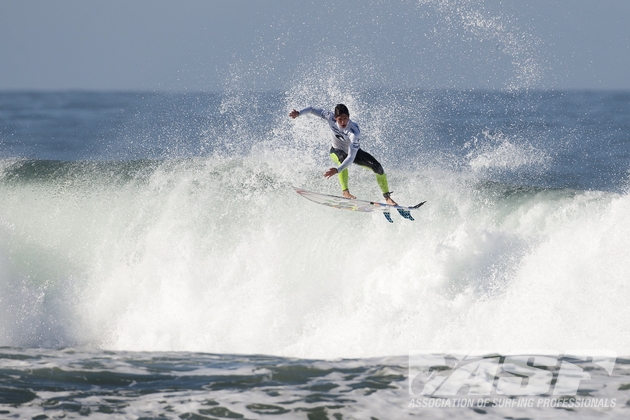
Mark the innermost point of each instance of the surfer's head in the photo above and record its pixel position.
(342, 115)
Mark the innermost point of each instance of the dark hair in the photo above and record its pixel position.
(341, 109)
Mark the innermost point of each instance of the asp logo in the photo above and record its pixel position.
(524, 374)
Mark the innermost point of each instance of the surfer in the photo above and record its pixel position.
(345, 148)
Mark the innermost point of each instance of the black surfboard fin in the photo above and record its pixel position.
(405, 214)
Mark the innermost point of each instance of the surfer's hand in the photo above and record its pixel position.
(294, 114)
(330, 172)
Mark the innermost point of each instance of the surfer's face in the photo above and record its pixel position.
(342, 120)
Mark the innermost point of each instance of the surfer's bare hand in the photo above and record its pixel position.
(294, 114)
(330, 172)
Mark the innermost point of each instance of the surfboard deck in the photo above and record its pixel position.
(354, 204)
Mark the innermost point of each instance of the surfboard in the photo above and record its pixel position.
(362, 206)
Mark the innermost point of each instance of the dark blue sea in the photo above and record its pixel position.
(155, 261)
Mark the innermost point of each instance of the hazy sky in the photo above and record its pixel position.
(273, 44)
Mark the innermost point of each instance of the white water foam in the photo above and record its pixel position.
(177, 261)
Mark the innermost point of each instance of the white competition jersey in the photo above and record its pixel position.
(341, 139)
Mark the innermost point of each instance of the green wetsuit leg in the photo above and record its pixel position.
(365, 160)
(381, 180)
(343, 175)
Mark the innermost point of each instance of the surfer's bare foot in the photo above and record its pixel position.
(346, 194)
(388, 199)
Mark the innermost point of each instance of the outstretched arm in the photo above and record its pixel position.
(309, 110)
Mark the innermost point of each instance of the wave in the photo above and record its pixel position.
(218, 254)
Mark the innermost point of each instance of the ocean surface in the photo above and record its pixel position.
(155, 261)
